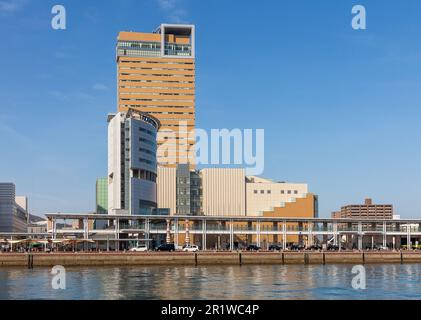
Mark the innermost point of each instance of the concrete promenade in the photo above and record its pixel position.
(34, 260)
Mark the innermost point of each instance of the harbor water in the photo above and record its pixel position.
(391, 281)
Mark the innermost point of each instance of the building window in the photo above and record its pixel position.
(255, 191)
(269, 191)
(282, 191)
(262, 191)
(296, 192)
(289, 191)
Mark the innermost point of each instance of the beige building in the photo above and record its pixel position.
(264, 195)
(223, 192)
(167, 188)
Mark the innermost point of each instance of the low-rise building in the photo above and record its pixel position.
(227, 192)
(264, 195)
(368, 210)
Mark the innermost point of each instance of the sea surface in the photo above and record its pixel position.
(392, 281)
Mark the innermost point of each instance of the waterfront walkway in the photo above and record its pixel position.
(31, 260)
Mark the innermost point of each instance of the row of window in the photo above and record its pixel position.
(146, 161)
(190, 68)
(144, 175)
(153, 106)
(181, 62)
(191, 83)
(153, 45)
(282, 191)
(157, 75)
(148, 152)
(182, 94)
(155, 81)
(147, 131)
(151, 143)
(156, 100)
(137, 53)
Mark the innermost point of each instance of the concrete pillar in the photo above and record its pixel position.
(384, 234)
(335, 234)
(275, 229)
(117, 234)
(284, 235)
(258, 233)
(249, 229)
(231, 235)
(408, 238)
(300, 236)
(86, 228)
(203, 234)
(325, 236)
(372, 242)
(360, 236)
(394, 242)
(168, 238)
(218, 244)
(176, 232)
(310, 241)
(187, 231)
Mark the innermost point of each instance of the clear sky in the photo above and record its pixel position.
(341, 108)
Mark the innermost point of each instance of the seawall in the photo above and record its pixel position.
(34, 260)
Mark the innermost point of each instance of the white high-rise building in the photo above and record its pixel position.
(132, 164)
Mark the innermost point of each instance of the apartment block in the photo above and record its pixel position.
(156, 75)
(368, 210)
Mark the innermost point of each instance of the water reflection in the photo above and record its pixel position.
(215, 282)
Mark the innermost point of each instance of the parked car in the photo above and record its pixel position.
(335, 248)
(139, 249)
(166, 247)
(253, 247)
(192, 248)
(315, 247)
(275, 247)
(296, 247)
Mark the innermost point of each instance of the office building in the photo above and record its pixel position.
(179, 190)
(368, 210)
(156, 75)
(13, 210)
(132, 166)
(101, 191)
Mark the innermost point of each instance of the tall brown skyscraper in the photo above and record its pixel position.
(156, 74)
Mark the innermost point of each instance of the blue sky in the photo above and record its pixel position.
(341, 108)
